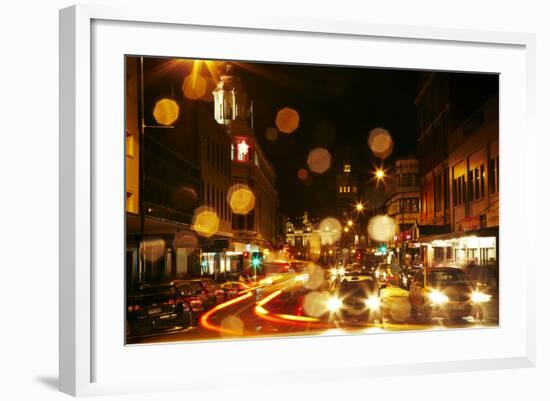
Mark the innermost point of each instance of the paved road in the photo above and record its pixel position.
(273, 310)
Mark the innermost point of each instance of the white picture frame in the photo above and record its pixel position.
(85, 355)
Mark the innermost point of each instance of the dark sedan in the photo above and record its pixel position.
(155, 308)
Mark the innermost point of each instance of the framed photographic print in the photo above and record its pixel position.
(276, 191)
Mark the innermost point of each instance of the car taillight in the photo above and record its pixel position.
(171, 302)
(130, 308)
(134, 308)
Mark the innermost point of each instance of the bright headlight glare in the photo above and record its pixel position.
(373, 303)
(333, 304)
(479, 297)
(438, 298)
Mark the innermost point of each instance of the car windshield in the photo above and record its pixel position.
(156, 290)
(357, 288)
(446, 277)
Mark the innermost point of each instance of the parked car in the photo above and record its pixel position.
(157, 307)
(358, 297)
(211, 290)
(232, 288)
(201, 290)
(443, 292)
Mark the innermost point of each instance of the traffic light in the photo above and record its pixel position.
(382, 249)
(256, 262)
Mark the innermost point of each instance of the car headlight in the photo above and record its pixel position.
(437, 297)
(373, 303)
(479, 297)
(333, 304)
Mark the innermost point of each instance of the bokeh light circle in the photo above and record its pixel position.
(208, 96)
(331, 227)
(287, 120)
(194, 86)
(187, 240)
(400, 310)
(166, 111)
(241, 199)
(315, 276)
(382, 228)
(302, 174)
(153, 249)
(315, 303)
(232, 326)
(271, 134)
(205, 221)
(314, 247)
(319, 160)
(380, 143)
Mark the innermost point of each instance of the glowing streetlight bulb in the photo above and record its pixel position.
(359, 207)
(350, 223)
(380, 174)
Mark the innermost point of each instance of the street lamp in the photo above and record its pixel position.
(350, 223)
(380, 174)
(359, 206)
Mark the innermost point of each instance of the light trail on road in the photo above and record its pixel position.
(204, 320)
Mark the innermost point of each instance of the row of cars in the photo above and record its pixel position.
(446, 292)
(176, 304)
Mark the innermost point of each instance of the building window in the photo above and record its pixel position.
(446, 195)
(347, 168)
(130, 202)
(129, 144)
(493, 175)
(476, 185)
(232, 151)
(438, 192)
(459, 190)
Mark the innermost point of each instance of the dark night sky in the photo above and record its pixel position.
(351, 100)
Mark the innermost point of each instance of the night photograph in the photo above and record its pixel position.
(271, 199)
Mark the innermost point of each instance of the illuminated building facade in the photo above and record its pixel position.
(458, 153)
(258, 229)
(162, 178)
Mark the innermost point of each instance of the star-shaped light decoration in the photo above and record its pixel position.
(243, 147)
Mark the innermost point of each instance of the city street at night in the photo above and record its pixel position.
(268, 200)
(273, 310)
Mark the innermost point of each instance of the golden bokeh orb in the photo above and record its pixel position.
(194, 86)
(331, 228)
(287, 120)
(205, 221)
(166, 111)
(382, 228)
(315, 276)
(315, 303)
(231, 326)
(241, 199)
